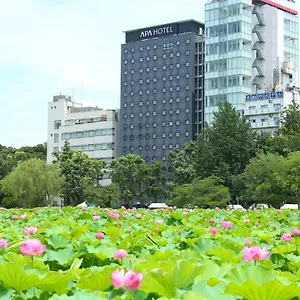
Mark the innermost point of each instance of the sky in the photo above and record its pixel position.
(71, 47)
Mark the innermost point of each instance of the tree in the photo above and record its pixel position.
(292, 175)
(205, 193)
(264, 181)
(225, 148)
(156, 182)
(31, 184)
(182, 162)
(105, 196)
(79, 171)
(291, 121)
(129, 173)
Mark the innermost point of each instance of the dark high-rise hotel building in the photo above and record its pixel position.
(162, 88)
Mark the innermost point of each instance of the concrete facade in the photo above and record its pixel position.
(162, 88)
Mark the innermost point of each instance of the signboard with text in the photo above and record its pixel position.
(262, 96)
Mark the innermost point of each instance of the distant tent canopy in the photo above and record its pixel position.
(289, 206)
(158, 205)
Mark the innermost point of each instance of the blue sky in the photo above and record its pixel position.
(53, 46)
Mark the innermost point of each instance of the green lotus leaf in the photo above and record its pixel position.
(158, 281)
(203, 245)
(185, 272)
(5, 294)
(95, 281)
(225, 255)
(56, 282)
(80, 295)
(271, 290)
(62, 256)
(14, 276)
(57, 241)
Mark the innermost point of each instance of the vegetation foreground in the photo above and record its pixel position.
(52, 253)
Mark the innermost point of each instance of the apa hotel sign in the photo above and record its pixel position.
(151, 32)
(156, 32)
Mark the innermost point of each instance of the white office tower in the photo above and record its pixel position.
(91, 129)
(252, 57)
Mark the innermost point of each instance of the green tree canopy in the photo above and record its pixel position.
(129, 173)
(264, 181)
(79, 171)
(291, 120)
(31, 184)
(204, 193)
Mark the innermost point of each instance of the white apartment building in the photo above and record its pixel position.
(251, 56)
(91, 129)
(265, 110)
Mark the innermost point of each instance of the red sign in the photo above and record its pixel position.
(277, 5)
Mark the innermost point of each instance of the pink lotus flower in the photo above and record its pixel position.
(116, 216)
(217, 208)
(286, 237)
(213, 230)
(129, 230)
(30, 230)
(226, 224)
(248, 241)
(123, 207)
(32, 247)
(185, 213)
(159, 221)
(22, 217)
(295, 214)
(100, 235)
(130, 280)
(138, 216)
(14, 217)
(3, 243)
(121, 253)
(212, 220)
(295, 231)
(125, 213)
(255, 253)
(95, 218)
(246, 221)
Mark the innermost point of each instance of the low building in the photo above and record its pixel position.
(265, 109)
(91, 129)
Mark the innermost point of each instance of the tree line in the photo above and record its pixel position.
(229, 162)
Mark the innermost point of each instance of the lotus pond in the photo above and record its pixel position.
(72, 253)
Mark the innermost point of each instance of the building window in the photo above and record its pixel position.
(148, 47)
(164, 146)
(171, 66)
(164, 67)
(125, 116)
(187, 52)
(124, 138)
(154, 125)
(177, 111)
(187, 122)
(125, 72)
(155, 46)
(187, 133)
(164, 78)
(163, 124)
(164, 112)
(171, 100)
(147, 125)
(141, 59)
(187, 87)
(148, 70)
(187, 110)
(164, 101)
(154, 135)
(171, 123)
(147, 114)
(171, 55)
(187, 99)
(56, 137)
(57, 124)
(154, 79)
(125, 105)
(170, 146)
(170, 134)
(177, 134)
(125, 51)
(124, 126)
(147, 147)
(148, 58)
(124, 149)
(177, 100)
(165, 56)
(154, 147)
(177, 123)
(147, 136)
(187, 64)
(187, 75)
(147, 80)
(141, 48)
(177, 77)
(154, 102)
(170, 112)
(155, 57)
(140, 114)
(155, 69)
(125, 61)
(141, 81)
(132, 60)
(131, 126)
(131, 137)
(132, 50)
(177, 66)
(178, 43)
(187, 41)
(177, 88)
(140, 148)
(154, 113)
(131, 104)
(131, 148)
(177, 54)
(140, 136)
(140, 103)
